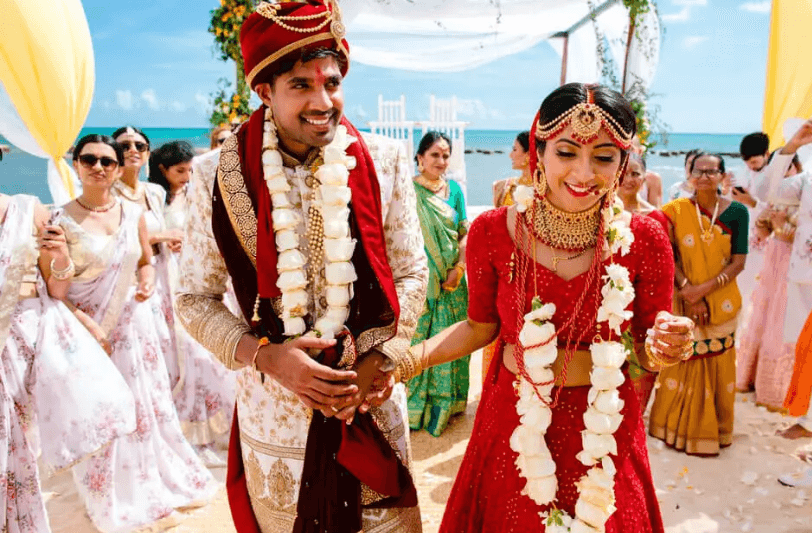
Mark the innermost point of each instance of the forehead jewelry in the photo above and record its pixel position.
(586, 120)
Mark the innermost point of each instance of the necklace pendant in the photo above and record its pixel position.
(556, 259)
(707, 237)
(511, 266)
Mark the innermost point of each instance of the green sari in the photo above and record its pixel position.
(442, 391)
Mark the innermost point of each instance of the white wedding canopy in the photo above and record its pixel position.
(456, 35)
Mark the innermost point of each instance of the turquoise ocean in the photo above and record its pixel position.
(486, 158)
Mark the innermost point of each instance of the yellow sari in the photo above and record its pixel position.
(693, 405)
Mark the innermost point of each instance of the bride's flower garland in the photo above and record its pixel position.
(332, 228)
(602, 418)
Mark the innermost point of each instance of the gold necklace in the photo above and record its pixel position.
(563, 230)
(707, 234)
(434, 186)
(557, 259)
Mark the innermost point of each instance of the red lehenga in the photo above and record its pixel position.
(486, 497)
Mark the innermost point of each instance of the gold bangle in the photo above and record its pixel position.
(656, 358)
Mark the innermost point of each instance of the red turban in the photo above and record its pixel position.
(274, 32)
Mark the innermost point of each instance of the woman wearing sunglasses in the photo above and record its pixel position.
(144, 476)
(204, 392)
(54, 377)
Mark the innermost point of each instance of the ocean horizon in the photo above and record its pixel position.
(486, 158)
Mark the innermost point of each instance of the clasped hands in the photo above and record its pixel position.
(336, 393)
(671, 338)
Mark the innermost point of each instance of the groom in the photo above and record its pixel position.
(310, 450)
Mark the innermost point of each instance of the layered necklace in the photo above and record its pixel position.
(435, 186)
(707, 234)
(562, 230)
(536, 352)
(328, 234)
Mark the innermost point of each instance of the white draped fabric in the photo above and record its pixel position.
(16, 132)
(456, 35)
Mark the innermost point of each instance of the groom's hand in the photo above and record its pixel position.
(318, 386)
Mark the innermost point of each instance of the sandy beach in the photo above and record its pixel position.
(737, 491)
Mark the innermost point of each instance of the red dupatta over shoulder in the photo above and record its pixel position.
(338, 458)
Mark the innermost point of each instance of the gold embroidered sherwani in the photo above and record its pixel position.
(273, 421)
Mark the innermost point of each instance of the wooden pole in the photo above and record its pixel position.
(564, 55)
(629, 39)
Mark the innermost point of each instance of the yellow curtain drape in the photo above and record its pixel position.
(47, 69)
(789, 67)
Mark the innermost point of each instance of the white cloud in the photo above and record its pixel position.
(124, 100)
(692, 41)
(756, 7)
(151, 99)
(474, 107)
(177, 106)
(680, 16)
(202, 102)
(684, 14)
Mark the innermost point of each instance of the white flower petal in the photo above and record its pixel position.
(338, 250)
(332, 174)
(543, 313)
(336, 228)
(271, 158)
(605, 378)
(542, 490)
(290, 260)
(294, 326)
(609, 402)
(280, 199)
(291, 281)
(579, 526)
(541, 374)
(338, 295)
(328, 328)
(335, 195)
(277, 184)
(285, 219)
(601, 423)
(287, 240)
(294, 298)
(533, 334)
(598, 445)
(340, 273)
(609, 354)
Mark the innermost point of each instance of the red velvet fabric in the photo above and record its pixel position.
(486, 497)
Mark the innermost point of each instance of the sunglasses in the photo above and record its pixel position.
(90, 160)
(138, 145)
(221, 140)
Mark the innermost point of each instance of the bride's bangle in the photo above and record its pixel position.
(64, 274)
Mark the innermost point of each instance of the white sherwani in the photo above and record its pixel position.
(273, 421)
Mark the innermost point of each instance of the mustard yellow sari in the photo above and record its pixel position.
(693, 405)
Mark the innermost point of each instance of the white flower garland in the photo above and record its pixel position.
(596, 497)
(332, 200)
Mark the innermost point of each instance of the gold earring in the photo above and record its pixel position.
(420, 166)
(540, 181)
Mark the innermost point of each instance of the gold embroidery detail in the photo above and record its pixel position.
(297, 454)
(210, 323)
(236, 199)
(281, 487)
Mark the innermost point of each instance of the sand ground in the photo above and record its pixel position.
(736, 491)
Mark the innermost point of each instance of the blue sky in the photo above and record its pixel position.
(156, 67)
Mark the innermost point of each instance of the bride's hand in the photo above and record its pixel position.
(672, 337)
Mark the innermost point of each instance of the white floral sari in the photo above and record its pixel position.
(144, 476)
(56, 379)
